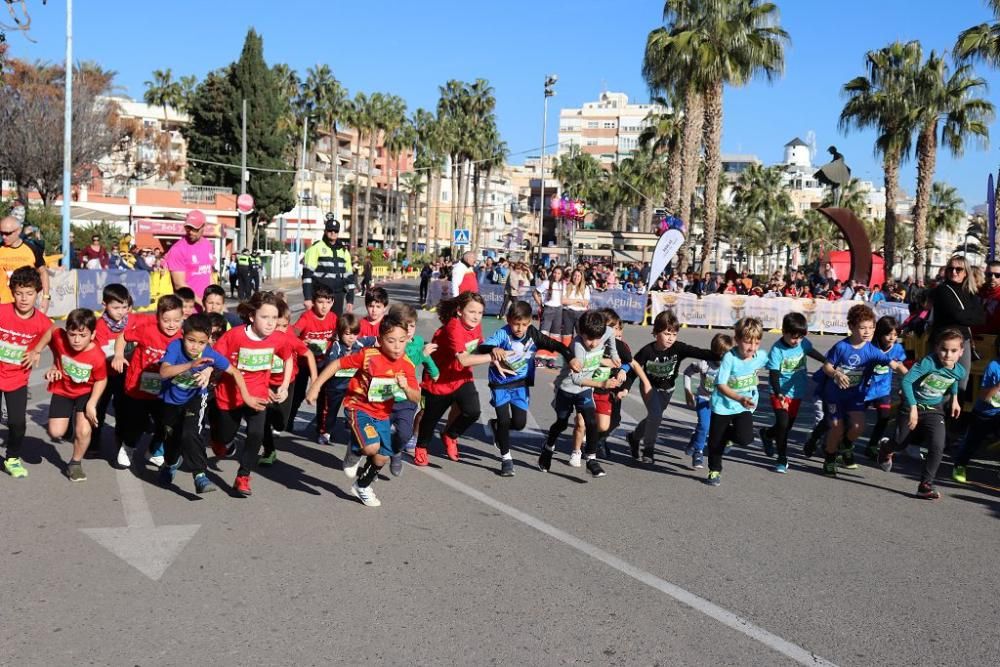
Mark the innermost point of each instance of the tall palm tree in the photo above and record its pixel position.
(882, 100)
(430, 159)
(947, 100)
(762, 198)
(355, 116)
(945, 213)
(414, 184)
(981, 42)
(399, 137)
(163, 91)
(662, 134)
(327, 101)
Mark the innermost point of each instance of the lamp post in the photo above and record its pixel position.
(550, 82)
(68, 141)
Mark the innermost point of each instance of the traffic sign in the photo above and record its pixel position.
(462, 237)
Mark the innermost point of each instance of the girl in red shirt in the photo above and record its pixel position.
(457, 341)
(251, 349)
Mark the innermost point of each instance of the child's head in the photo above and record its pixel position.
(721, 343)
(186, 295)
(467, 306)
(392, 337)
(376, 301)
(261, 312)
(322, 300)
(861, 322)
(949, 346)
(80, 326)
(665, 328)
(519, 318)
(169, 314)
(214, 299)
(886, 331)
(591, 328)
(197, 331)
(117, 301)
(219, 324)
(749, 331)
(613, 320)
(793, 328)
(406, 314)
(25, 284)
(348, 328)
(284, 316)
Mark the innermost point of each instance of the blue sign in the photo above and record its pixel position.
(462, 237)
(631, 307)
(90, 285)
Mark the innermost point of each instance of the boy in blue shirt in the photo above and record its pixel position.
(930, 392)
(883, 386)
(786, 363)
(186, 370)
(985, 425)
(735, 395)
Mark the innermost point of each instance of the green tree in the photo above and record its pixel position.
(163, 91)
(325, 102)
(761, 198)
(414, 185)
(214, 132)
(662, 135)
(430, 161)
(981, 42)
(945, 213)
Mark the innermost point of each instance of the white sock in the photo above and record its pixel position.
(507, 457)
(591, 457)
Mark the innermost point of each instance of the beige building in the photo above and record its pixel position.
(152, 153)
(608, 129)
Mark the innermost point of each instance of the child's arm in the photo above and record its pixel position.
(32, 357)
(119, 362)
(686, 351)
(328, 372)
(431, 366)
(774, 379)
(645, 384)
(90, 411)
(251, 402)
(311, 363)
(689, 372)
(734, 395)
(816, 355)
(468, 359)
(168, 371)
(412, 393)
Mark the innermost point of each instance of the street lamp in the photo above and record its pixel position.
(550, 82)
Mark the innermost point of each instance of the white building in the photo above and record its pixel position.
(608, 129)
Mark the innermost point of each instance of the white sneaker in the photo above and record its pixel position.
(157, 461)
(576, 459)
(323, 439)
(411, 445)
(351, 463)
(365, 495)
(125, 456)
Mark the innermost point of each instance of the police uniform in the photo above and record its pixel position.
(255, 267)
(329, 264)
(243, 275)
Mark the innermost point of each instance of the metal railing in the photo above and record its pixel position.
(203, 194)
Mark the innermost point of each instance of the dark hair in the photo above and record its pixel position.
(948, 333)
(322, 292)
(348, 323)
(448, 309)
(611, 317)
(116, 293)
(284, 310)
(218, 322)
(213, 289)
(519, 310)
(886, 325)
(199, 322)
(794, 324)
(168, 302)
(591, 325)
(389, 323)
(25, 276)
(81, 318)
(666, 321)
(248, 308)
(377, 295)
(404, 312)
(721, 343)
(185, 293)
(858, 314)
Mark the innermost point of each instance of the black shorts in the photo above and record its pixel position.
(61, 407)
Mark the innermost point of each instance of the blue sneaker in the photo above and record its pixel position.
(689, 450)
(697, 461)
(781, 467)
(202, 484)
(166, 474)
(156, 454)
(714, 478)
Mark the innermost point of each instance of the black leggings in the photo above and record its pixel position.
(17, 419)
(277, 417)
(930, 433)
(509, 418)
(878, 431)
(138, 416)
(436, 405)
(738, 428)
(227, 423)
(182, 426)
(593, 436)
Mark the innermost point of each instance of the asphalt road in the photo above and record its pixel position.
(460, 566)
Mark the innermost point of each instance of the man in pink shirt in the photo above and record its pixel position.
(191, 260)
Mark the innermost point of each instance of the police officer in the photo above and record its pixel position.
(328, 262)
(255, 268)
(243, 271)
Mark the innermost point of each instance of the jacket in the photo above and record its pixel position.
(327, 265)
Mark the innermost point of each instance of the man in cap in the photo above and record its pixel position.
(328, 262)
(191, 260)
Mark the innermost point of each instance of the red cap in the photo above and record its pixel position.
(194, 219)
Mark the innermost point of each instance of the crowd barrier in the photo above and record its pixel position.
(82, 288)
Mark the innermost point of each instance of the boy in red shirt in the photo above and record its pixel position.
(384, 375)
(77, 379)
(317, 328)
(21, 327)
(140, 405)
(110, 325)
(376, 301)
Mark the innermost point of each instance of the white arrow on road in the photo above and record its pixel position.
(146, 547)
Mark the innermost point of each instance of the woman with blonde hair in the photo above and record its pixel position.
(576, 300)
(954, 304)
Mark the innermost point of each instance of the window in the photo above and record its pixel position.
(609, 125)
(591, 142)
(592, 124)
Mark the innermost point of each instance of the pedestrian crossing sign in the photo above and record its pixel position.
(462, 237)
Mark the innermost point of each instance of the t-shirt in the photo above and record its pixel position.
(337, 351)
(80, 370)
(452, 339)
(374, 389)
(142, 376)
(299, 349)
(180, 389)
(520, 355)
(790, 362)
(369, 328)
(929, 382)
(591, 364)
(105, 338)
(17, 337)
(315, 332)
(572, 295)
(708, 372)
(740, 375)
(880, 384)
(194, 260)
(553, 299)
(662, 366)
(856, 364)
(991, 378)
(26, 254)
(255, 361)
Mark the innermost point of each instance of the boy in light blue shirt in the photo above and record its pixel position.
(985, 425)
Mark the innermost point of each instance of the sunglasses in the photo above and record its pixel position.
(993, 274)
(13, 231)
(956, 269)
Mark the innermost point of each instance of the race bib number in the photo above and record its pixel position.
(880, 370)
(709, 383)
(592, 361)
(11, 353)
(186, 380)
(602, 373)
(150, 383)
(936, 385)
(995, 401)
(854, 375)
(659, 369)
(251, 359)
(471, 346)
(277, 365)
(345, 373)
(77, 372)
(742, 383)
(385, 389)
(792, 364)
(318, 346)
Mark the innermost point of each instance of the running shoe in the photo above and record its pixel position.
(125, 456)
(268, 459)
(351, 463)
(958, 474)
(767, 441)
(491, 431)
(848, 460)
(507, 468)
(366, 495)
(885, 455)
(647, 456)
(450, 446)
(219, 449)
(15, 468)
(781, 466)
(242, 485)
(809, 448)
(576, 458)
(714, 478)
(75, 472)
(420, 457)
(545, 459)
(633, 442)
(396, 465)
(202, 484)
(156, 454)
(697, 461)
(595, 469)
(728, 448)
(166, 475)
(830, 468)
(411, 445)
(689, 450)
(927, 492)
(323, 439)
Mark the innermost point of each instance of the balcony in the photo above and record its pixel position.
(203, 194)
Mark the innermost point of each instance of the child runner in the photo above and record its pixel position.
(316, 327)
(789, 382)
(735, 397)
(384, 376)
(110, 325)
(251, 348)
(187, 297)
(348, 327)
(141, 406)
(985, 425)
(510, 382)
(883, 387)
(701, 404)
(78, 377)
(574, 389)
(376, 301)
(278, 411)
(457, 341)
(930, 392)
(186, 371)
(214, 300)
(661, 362)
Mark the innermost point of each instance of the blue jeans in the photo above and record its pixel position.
(700, 436)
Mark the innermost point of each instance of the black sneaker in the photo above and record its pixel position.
(507, 467)
(885, 455)
(809, 448)
(767, 441)
(633, 443)
(847, 458)
(830, 468)
(545, 459)
(647, 456)
(595, 468)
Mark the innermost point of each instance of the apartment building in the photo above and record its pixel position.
(608, 129)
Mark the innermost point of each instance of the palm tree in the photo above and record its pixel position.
(761, 197)
(414, 185)
(327, 102)
(852, 197)
(981, 42)
(662, 135)
(949, 101)
(399, 137)
(163, 91)
(882, 99)
(945, 213)
(430, 158)
(354, 115)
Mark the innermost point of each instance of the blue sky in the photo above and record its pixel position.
(410, 48)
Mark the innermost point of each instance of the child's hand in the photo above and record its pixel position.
(689, 398)
(401, 380)
(53, 375)
(747, 402)
(31, 359)
(311, 396)
(956, 408)
(503, 370)
(622, 394)
(646, 388)
(90, 412)
(610, 383)
(119, 364)
(914, 417)
(575, 365)
(429, 349)
(204, 377)
(201, 361)
(842, 380)
(254, 403)
(621, 376)
(497, 354)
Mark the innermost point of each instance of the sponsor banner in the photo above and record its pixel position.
(62, 288)
(631, 307)
(90, 285)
